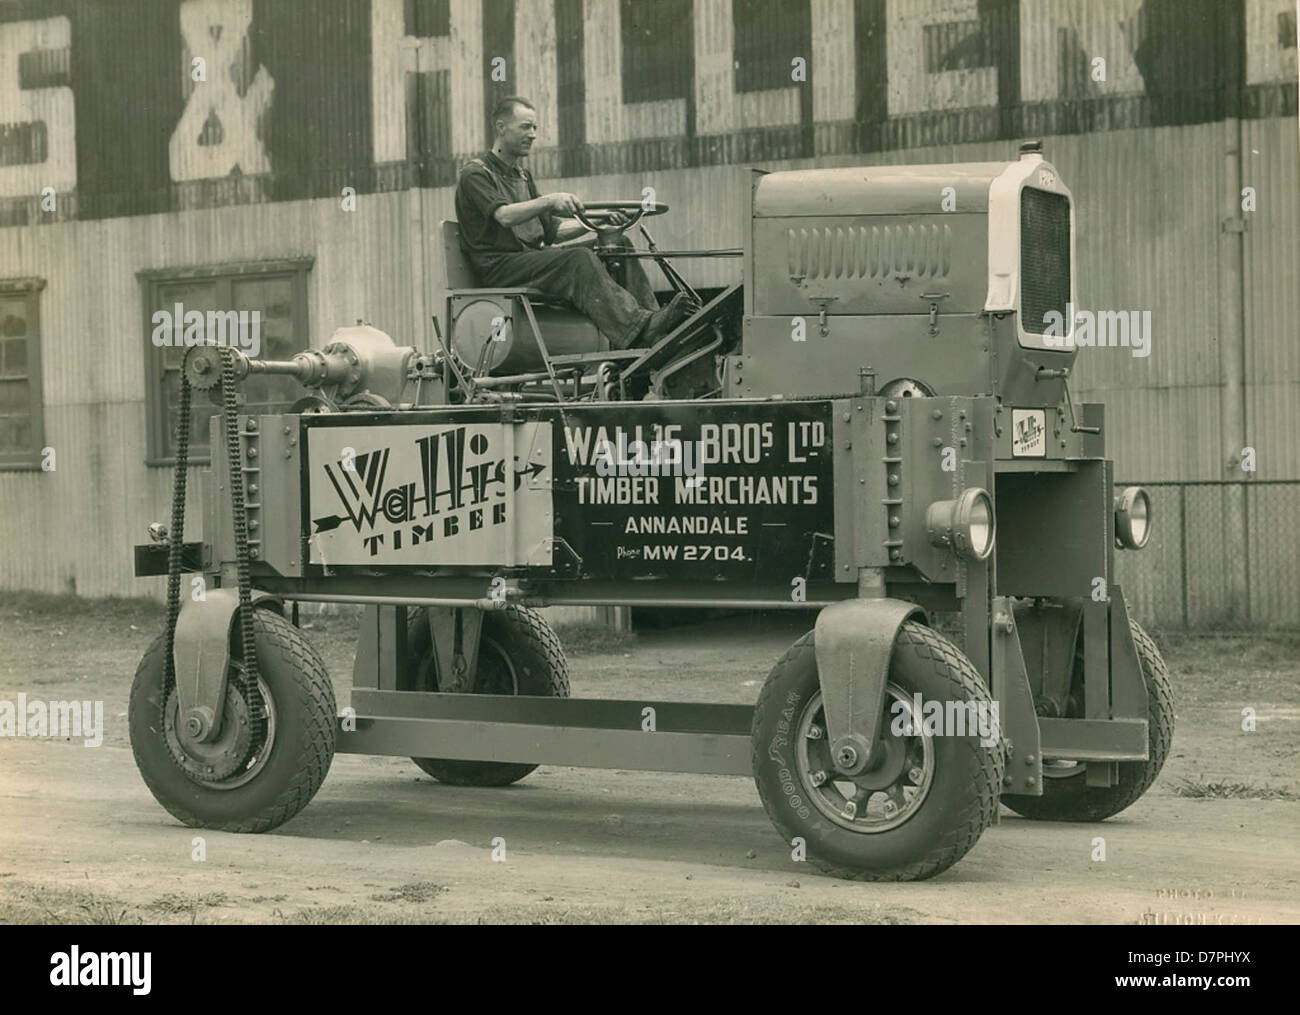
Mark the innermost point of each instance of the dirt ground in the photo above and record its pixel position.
(82, 840)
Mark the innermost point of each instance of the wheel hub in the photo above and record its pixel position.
(888, 758)
(887, 792)
(233, 754)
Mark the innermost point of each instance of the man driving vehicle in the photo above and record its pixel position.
(508, 232)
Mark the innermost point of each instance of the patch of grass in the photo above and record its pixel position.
(421, 891)
(22, 903)
(774, 911)
(1200, 789)
(106, 913)
(29, 606)
(343, 619)
(1200, 653)
(334, 916)
(177, 902)
(581, 638)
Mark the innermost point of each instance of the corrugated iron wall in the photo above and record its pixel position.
(1272, 306)
(374, 94)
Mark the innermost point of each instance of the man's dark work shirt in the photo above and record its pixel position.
(486, 183)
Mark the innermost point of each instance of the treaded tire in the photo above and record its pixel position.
(305, 729)
(539, 666)
(1071, 799)
(963, 796)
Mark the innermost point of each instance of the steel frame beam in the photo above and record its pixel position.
(1020, 725)
(1102, 740)
(578, 732)
(709, 738)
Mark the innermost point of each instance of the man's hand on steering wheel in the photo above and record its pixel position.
(564, 204)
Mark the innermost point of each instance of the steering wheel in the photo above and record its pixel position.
(595, 215)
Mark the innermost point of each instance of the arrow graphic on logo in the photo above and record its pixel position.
(530, 470)
(328, 523)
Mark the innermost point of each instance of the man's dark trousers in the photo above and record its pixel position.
(575, 274)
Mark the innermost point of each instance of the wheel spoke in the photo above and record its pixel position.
(856, 808)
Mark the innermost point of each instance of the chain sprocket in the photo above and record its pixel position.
(202, 367)
(221, 758)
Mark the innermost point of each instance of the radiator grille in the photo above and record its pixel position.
(1044, 258)
(861, 252)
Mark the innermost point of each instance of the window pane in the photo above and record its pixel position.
(15, 433)
(15, 358)
(201, 408)
(261, 389)
(13, 397)
(281, 337)
(273, 297)
(13, 318)
(20, 393)
(200, 296)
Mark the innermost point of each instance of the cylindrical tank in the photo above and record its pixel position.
(495, 330)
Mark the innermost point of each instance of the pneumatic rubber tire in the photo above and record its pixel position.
(962, 792)
(1070, 798)
(300, 753)
(518, 654)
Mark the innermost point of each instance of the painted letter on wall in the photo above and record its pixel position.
(218, 132)
(37, 115)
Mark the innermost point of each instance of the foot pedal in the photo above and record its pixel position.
(728, 303)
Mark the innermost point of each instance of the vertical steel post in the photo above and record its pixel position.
(1232, 359)
(1183, 548)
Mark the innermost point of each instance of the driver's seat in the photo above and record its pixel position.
(490, 325)
(457, 273)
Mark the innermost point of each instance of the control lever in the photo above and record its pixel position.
(674, 277)
(1049, 373)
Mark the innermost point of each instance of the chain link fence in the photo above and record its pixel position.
(1222, 554)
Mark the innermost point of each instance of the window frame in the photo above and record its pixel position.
(151, 280)
(30, 289)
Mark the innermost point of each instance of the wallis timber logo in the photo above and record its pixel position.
(459, 487)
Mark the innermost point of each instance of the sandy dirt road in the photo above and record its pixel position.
(377, 844)
(80, 836)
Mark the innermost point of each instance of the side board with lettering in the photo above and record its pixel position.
(734, 492)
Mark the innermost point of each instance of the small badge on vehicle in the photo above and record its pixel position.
(1028, 433)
